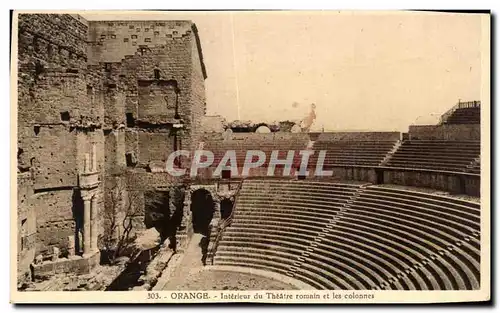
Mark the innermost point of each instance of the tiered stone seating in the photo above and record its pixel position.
(276, 220)
(349, 153)
(465, 116)
(241, 147)
(439, 155)
(433, 240)
(339, 236)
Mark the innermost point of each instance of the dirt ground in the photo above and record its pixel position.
(225, 280)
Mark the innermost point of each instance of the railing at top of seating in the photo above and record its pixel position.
(221, 227)
(459, 105)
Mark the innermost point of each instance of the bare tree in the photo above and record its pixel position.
(123, 207)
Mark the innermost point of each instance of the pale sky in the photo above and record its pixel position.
(364, 71)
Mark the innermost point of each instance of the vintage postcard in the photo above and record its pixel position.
(247, 156)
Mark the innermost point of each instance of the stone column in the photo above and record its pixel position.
(186, 212)
(86, 225)
(95, 225)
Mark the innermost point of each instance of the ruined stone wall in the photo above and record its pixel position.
(111, 41)
(114, 152)
(55, 211)
(115, 88)
(132, 144)
(154, 147)
(213, 124)
(198, 97)
(157, 66)
(26, 217)
(60, 115)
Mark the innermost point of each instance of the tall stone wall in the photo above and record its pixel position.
(213, 124)
(158, 68)
(60, 116)
(103, 93)
(26, 223)
(197, 95)
(111, 41)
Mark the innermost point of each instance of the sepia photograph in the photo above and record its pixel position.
(250, 156)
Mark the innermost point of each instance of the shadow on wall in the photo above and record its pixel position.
(164, 210)
(77, 211)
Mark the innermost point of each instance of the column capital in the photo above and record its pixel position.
(87, 195)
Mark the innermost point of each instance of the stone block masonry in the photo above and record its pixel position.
(97, 100)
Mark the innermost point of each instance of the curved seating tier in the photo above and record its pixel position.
(465, 116)
(343, 236)
(348, 153)
(275, 220)
(430, 229)
(441, 155)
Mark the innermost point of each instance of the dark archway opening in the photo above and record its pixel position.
(380, 176)
(226, 207)
(202, 208)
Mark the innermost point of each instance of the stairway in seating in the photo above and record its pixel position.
(217, 228)
(474, 166)
(326, 230)
(390, 153)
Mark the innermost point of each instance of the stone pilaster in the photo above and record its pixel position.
(186, 213)
(94, 232)
(86, 224)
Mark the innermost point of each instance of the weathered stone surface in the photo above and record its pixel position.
(100, 93)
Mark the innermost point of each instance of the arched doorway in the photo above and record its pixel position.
(226, 207)
(202, 209)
